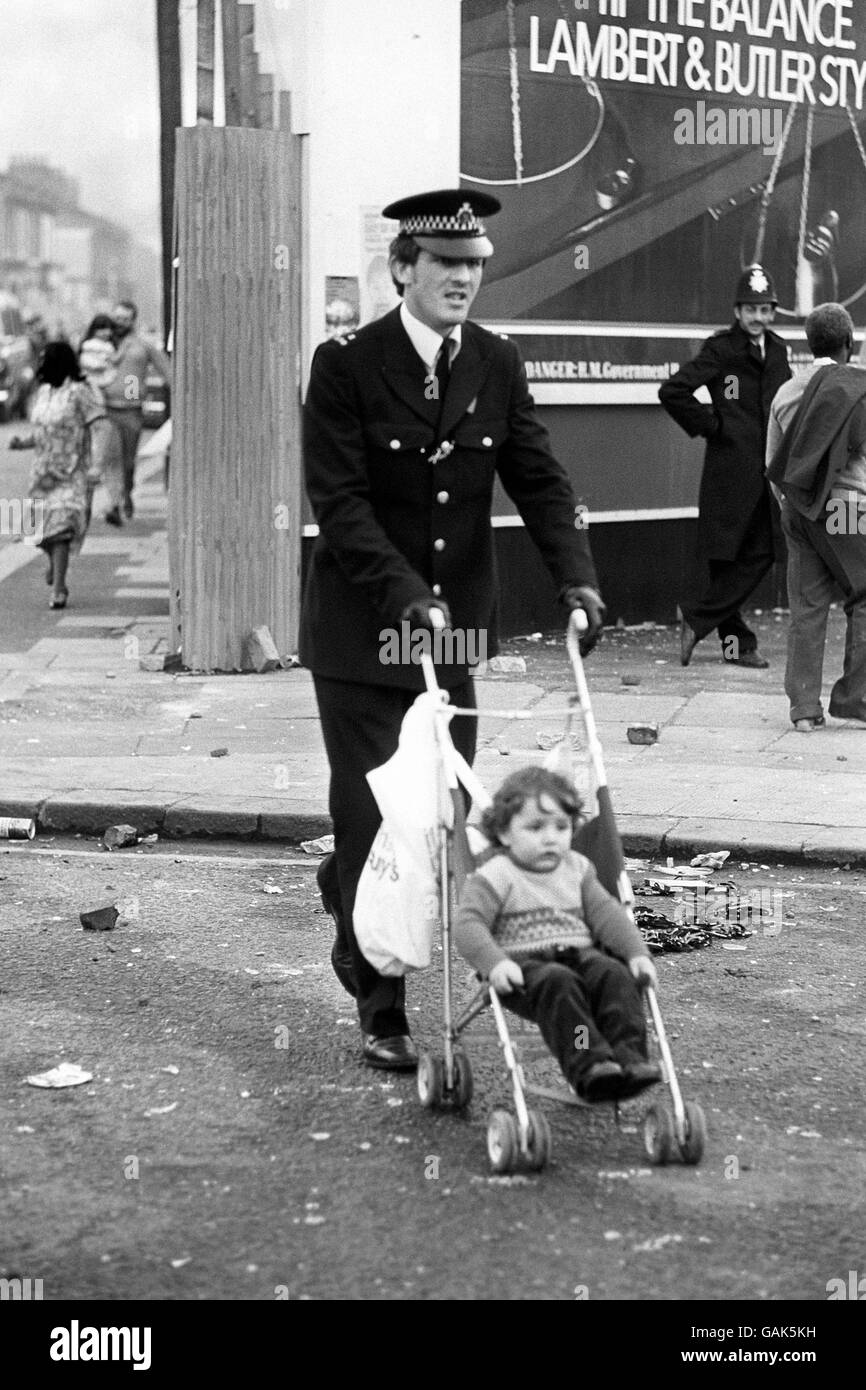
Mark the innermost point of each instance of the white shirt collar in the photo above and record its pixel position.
(426, 341)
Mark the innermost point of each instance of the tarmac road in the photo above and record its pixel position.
(231, 1146)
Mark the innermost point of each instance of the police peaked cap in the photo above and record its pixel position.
(447, 222)
(755, 287)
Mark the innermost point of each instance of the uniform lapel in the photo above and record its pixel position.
(404, 371)
(468, 371)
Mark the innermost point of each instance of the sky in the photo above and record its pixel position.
(79, 88)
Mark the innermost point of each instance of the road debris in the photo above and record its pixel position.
(323, 845)
(119, 837)
(712, 860)
(65, 1074)
(642, 733)
(99, 918)
(160, 1110)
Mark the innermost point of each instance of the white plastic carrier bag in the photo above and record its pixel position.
(397, 907)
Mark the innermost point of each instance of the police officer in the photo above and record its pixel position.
(738, 530)
(407, 424)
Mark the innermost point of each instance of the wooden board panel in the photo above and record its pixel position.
(236, 463)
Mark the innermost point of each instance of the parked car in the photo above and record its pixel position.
(17, 362)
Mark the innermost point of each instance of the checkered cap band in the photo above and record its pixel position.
(463, 222)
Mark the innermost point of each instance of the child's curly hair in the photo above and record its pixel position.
(528, 784)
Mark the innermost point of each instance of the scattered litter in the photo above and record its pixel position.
(320, 1134)
(179, 1264)
(219, 752)
(119, 836)
(548, 741)
(630, 680)
(657, 1243)
(401, 1139)
(99, 918)
(732, 946)
(613, 1235)
(624, 1172)
(517, 1180)
(394, 1100)
(65, 1074)
(172, 1070)
(17, 828)
(160, 1110)
(507, 665)
(248, 970)
(323, 845)
(365, 1145)
(24, 1129)
(271, 888)
(313, 1220)
(713, 860)
(643, 733)
(148, 839)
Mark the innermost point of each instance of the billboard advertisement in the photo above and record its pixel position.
(645, 152)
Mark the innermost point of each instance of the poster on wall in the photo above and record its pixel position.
(645, 152)
(378, 294)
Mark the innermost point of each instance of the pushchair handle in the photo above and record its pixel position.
(579, 619)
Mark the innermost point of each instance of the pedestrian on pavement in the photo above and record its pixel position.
(536, 923)
(62, 414)
(406, 425)
(124, 396)
(738, 536)
(816, 459)
(96, 359)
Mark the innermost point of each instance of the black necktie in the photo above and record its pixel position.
(443, 369)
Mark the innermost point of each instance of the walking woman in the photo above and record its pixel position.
(62, 412)
(96, 359)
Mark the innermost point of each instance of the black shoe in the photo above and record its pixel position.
(688, 641)
(59, 600)
(752, 659)
(638, 1076)
(391, 1054)
(837, 713)
(603, 1081)
(113, 517)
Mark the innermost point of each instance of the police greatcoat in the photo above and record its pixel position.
(742, 387)
(395, 526)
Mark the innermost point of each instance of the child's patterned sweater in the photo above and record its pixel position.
(509, 911)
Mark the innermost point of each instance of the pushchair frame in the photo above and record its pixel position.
(523, 1139)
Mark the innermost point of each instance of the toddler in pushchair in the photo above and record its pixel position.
(535, 922)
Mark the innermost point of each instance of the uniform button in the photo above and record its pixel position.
(442, 497)
(395, 444)
(487, 441)
(423, 451)
(437, 589)
(439, 544)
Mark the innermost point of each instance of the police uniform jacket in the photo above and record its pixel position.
(733, 486)
(394, 526)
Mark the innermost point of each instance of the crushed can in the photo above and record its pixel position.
(17, 828)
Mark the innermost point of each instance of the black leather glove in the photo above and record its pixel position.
(576, 596)
(417, 613)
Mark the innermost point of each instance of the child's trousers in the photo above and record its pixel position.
(588, 1008)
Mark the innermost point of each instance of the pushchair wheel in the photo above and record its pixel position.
(462, 1093)
(503, 1141)
(658, 1134)
(540, 1141)
(696, 1134)
(430, 1080)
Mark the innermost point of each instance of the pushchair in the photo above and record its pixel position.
(522, 1138)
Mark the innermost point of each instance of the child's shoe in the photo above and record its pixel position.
(603, 1081)
(638, 1076)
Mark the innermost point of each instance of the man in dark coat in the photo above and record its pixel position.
(407, 424)
(743, 367)
(816, 459)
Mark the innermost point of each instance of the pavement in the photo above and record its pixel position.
(89, 738)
